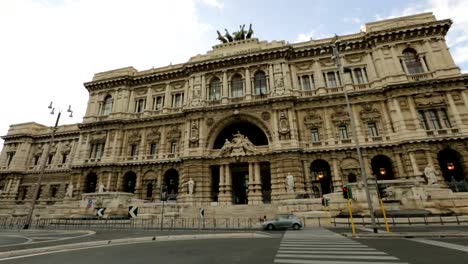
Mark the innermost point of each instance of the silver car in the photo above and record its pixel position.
(283, 221)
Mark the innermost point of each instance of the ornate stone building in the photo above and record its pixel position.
(244, 117)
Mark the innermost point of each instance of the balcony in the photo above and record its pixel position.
(420, 76)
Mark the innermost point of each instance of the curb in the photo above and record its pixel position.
(405, 235)
(123, 241)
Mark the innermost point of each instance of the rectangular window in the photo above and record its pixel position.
(422, 119)
(36, 160)
(343, 132)
(314, 134)
(158, 103)
(306, 82)
(140, 105)
(177, 100)
(372, 128)
(133, 150)
(49, 161)
(153, 149)
(64, 158)
(331, 80)
(359, 76)
(433, 119)
(10, 156)
(445, 119)
(173, 147)
(97, 150)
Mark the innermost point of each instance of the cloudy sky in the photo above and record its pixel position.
(49, 48)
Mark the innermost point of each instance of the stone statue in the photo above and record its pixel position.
(221, 38)
(101, 188)
(190, 185)
(290, 183)
(430, 175)
(250, 32)
(240, 145)
(228, 36)
(69, 192)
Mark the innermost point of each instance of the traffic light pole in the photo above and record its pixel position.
(382, 207)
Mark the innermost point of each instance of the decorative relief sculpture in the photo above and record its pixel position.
(190, 186)
(239, 146)
(101, 188)
(313, 120)
(69, 192)
(283, 123)
(194, 132)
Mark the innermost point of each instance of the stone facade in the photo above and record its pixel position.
(240, 118)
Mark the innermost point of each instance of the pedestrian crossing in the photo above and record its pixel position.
(321, 246)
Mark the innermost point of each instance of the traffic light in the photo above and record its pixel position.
(323, 201)
(345, 192)
(382, 189)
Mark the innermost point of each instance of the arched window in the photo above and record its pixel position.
(260, 83)
(215, 89)
(107, 105)
(237, 86)
(412, 61)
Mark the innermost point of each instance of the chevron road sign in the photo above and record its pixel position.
(100, 211)
(133, 211)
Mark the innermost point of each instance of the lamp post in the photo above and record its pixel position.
(43, 165)
(336, 58)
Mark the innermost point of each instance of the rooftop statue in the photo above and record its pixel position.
(237, 35)
(221, 38)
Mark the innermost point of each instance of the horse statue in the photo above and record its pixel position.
(250, 32)
(242, 31)
(228, 36)
(221, 38)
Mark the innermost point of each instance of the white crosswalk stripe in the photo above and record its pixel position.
(321, 246)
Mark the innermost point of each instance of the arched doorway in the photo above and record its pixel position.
(321, 176)
(149, 191)
(91, 181)
(171, 181)
(245, 128)
(382, 167)
(451, 165)
(129, 182)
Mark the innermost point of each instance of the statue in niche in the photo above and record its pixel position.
(240, 145)
(194, 132)
(429, 172)
(283, 123)
(69, 192)
(221, 38)
(190, 186)
(290, 182)
(101, 188)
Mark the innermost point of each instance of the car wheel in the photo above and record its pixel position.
(296, 226)
(270, 227)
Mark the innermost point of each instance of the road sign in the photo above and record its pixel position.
(100, 211)
(132, 211)
(202, 213)
(90, 203)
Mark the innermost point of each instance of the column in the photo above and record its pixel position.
(186, 94)
(131, 103)
(286, 76)
(337, 180)
(307, 180)
(453, 107)
(465, 99)
(117, 183)
(414, 165)
(296, 85)
(396, 61)
(115, 144)
(167, 98)
(400, 167)
(358, 122)
(271, 77)
(372, 72)
(318, 76)
(108, 184)
(149, 100)
(401, 120)
(222, 180)
(141, 151)
(257, 173)
(225, 93)
(385, 118)
(251, 174)
(203, 88)
(414, 114)
(248, 85)
(429, 159)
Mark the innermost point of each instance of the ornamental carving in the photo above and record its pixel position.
(38, 149)
(194, 132)
(369, 114)
(153, 135)
(159, 88)
(98, 137)
(266, 116)
(174, 134)
(209, 121)
(429, 100)
(283, 123)
(239, 146)
(66, 148)
(312, 120)
(340, 117)
(134, 137)
(178, 85)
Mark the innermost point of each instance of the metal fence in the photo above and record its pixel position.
(125, 223)
(401, 221)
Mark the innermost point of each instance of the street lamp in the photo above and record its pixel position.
(382, 171)
(43, 164)
(320, 175)
(336, 58)
(450, 166)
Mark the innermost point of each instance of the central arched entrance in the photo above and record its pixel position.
(321, 177)
(91, 181)
(245, 128)
(240, 182)
(171, 182)
(382, 167)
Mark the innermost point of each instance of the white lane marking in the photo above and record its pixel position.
(320, 243)
(336, 257)
(333, 252)
(323, 246)
(440, 244)
(328, 248)
(307, 261)
(28, 240)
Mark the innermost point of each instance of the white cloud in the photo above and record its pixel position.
(50, 48)
(313, 34)
(213, 3)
